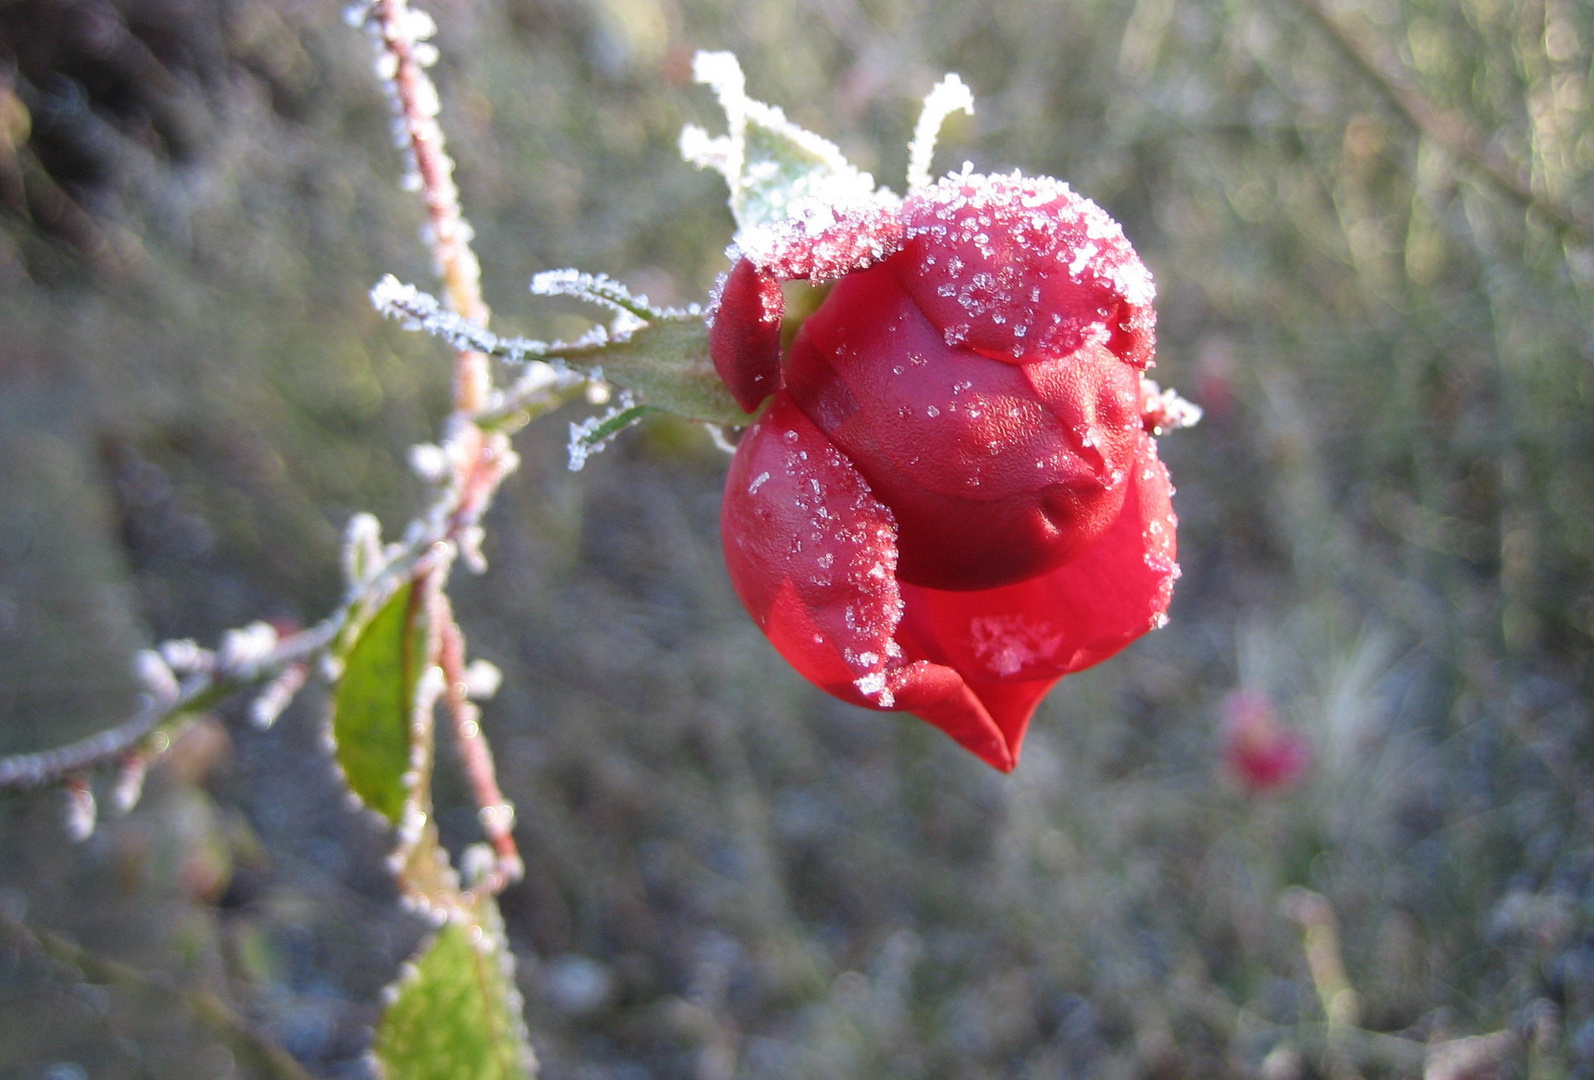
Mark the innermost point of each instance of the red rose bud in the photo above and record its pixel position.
(954, 498)
(1260, 752)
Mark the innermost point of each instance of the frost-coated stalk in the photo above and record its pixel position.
(480, 459)
(406, 53)
(180, 678)
(461, 683)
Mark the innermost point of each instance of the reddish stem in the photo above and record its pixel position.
(486, 459)
(450, 233)
(497, 814)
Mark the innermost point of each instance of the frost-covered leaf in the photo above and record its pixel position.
(660, 355)
(600, 289)
(418, 310)
(950, 95)
(375, 702)
(771, 165)
(455, 1013)
(596, 432)
(666, 364)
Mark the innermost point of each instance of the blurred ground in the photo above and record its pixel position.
(1387, 531)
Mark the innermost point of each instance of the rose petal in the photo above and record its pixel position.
(825, 243)
(744, 340)
(1014, 267)
(995, 472)
(812, 555)
(1063, 621)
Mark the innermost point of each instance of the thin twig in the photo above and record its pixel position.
(51, 766)
(496, 813)
(481, 457)
(1448, 128)
(403, 34)
(204, 688)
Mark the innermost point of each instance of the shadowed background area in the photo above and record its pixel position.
(1370, 223)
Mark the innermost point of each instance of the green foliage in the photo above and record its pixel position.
(617, 423)
(456, 1013)
(666, 363)
(778, 168)
(375, 701)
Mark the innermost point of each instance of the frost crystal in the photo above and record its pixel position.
(873, 685)
(154, 675)
(418, 310)
(363, 557)
(717, 435)
(277, 696)
(185, 656)
(482, 679)
(80, 810)
(243, 651)
(429, 462)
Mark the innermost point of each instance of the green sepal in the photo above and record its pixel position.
(666, 365)
(769, 163)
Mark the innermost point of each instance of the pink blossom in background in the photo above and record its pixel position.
(1260, 752)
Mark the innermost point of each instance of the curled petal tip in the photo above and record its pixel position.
(744, 340)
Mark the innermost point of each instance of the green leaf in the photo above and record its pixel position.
(666, 364)
(455, 1015)
(610, 426)
(375, 702)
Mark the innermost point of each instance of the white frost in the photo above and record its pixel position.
(949, 96)
(873, 685)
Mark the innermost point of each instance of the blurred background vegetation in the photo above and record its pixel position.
(1370, 222)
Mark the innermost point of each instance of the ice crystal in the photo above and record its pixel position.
(415, 309)
(1164, 410)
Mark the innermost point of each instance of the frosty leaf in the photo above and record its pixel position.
(418, 310)
(600, 289)
(950, 95)
(661, 355)
(595, 433)
(455, 1011)
(666, 364)
(771, 165)
(375, 700)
